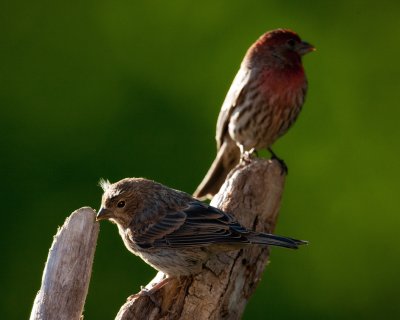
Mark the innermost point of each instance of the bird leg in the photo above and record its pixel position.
(247, 156)
(284, 168)
(156, 284)
(254, 152)
(155, 287)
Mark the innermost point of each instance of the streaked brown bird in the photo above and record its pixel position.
(262, 103)
(172, 231)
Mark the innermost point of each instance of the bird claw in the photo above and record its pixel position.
(144, 292)
(284, 168)
(149, 292)
(248, 156)
(245, 158)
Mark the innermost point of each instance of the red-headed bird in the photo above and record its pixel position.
(262, 103)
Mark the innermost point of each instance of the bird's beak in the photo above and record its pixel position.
(103, 214)
(305, 47)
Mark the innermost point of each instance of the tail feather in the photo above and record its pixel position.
(274, 240)
(227, 158)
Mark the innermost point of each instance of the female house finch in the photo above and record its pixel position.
(172, 231)
(264, 100)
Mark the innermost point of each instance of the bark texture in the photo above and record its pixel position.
(252, 192)
(66, 276)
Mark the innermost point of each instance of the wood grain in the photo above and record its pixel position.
(66, 276)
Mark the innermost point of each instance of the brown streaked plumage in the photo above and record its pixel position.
(262, 103)
(171, 230)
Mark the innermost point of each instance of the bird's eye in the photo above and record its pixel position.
(291, 42)
(121, 204)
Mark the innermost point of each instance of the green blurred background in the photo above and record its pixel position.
(112, 89)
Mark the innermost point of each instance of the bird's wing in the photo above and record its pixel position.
(196, 225)
(233, 96)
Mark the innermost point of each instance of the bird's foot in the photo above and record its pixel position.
(247, 156)
(150, 290)
(284, 168)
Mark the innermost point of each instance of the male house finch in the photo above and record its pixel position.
(172, 231)
(263, 101)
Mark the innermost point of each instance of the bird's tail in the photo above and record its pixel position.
(274, 240)
(227, 158)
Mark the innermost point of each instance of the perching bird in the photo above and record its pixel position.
(172, 231)
(262, 103)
